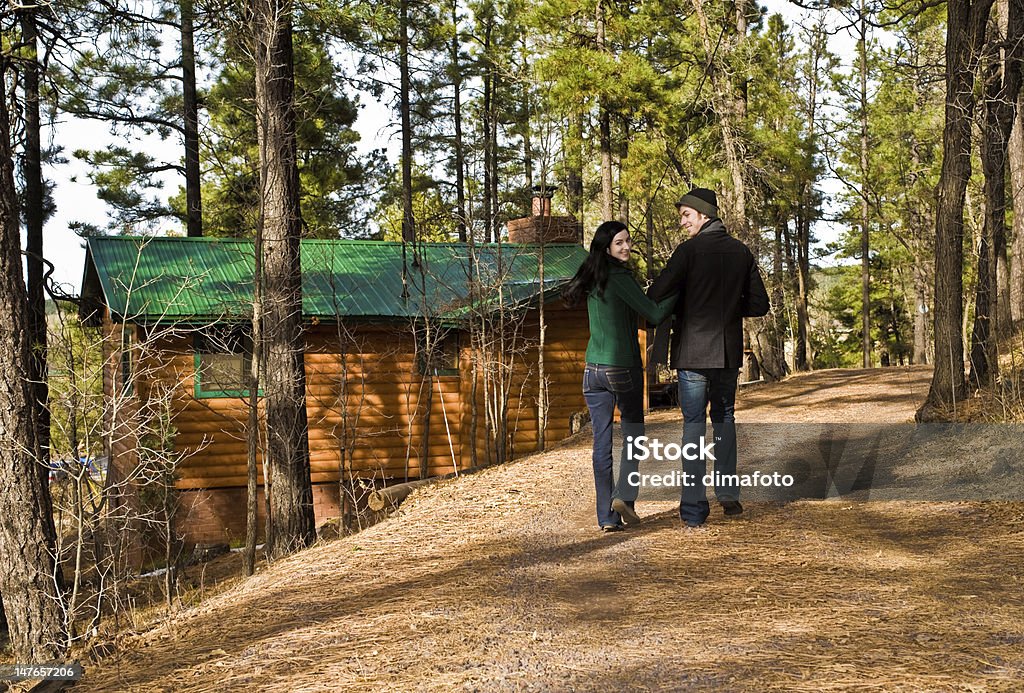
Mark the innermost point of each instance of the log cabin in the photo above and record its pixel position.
(420, 360)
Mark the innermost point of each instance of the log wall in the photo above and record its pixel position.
(366, 403)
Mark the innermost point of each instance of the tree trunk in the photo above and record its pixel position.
(486, 122)
(1016, 157)
(431, 348)
(865, 258)
(1002, 85)
(408, 221)
(983, 362)
(460, 155)
(252, 479)
(767, 334)
(476, 332)
(193, 181)
(652, 367)
(542, 375)
(1013, 55)
(964, 32)
(981, 333)
(623, 157)
(284, 378)
(737, 94)
(30, 579)
(921, 311)
(252, 430)
(33, 173)
(574, 167)
(493, 144)
(751, 363)
(806, 208)
(489, 125)
(607, 202)
(789, 265)
(917, 220)
(605, 133)
(773, 359)
(801, 358)
(527, 113)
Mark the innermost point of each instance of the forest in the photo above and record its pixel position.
(869, 152)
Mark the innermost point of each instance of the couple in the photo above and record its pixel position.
(710, 284)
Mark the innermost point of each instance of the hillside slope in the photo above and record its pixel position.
(500, 581)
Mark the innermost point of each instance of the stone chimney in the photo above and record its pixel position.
(541, 226)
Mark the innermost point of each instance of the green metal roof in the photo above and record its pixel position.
(194, 280)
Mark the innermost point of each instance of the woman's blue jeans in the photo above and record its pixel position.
(604, 388)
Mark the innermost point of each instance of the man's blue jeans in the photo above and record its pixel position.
(697, 389)
(604, 387)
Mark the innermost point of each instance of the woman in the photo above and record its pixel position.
(614, 373)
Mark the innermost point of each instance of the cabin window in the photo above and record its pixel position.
(442, 358)
(223, 362)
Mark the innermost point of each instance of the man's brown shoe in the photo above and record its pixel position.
(627, 513)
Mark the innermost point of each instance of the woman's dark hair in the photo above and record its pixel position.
(593, 273)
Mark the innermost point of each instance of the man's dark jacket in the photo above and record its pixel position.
(719, 285)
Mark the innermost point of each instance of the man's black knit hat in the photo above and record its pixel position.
(703, 200)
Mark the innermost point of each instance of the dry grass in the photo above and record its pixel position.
(500, 581)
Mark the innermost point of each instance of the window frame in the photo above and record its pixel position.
(201, 343)
(424, 360)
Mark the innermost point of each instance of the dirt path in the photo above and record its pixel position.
(499, 581)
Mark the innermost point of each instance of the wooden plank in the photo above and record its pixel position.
(376, 418)
(237, 481)
(366, 368)
(195, 477)
(315, 391)
(202, 460)
(390, 382)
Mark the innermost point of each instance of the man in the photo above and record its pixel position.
(719, 284)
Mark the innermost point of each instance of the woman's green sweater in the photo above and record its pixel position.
(613, 319)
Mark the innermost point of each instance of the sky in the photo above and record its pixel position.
(76, 199)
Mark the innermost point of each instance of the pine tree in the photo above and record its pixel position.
(965, 30)
(30, 579)
(282, 341)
